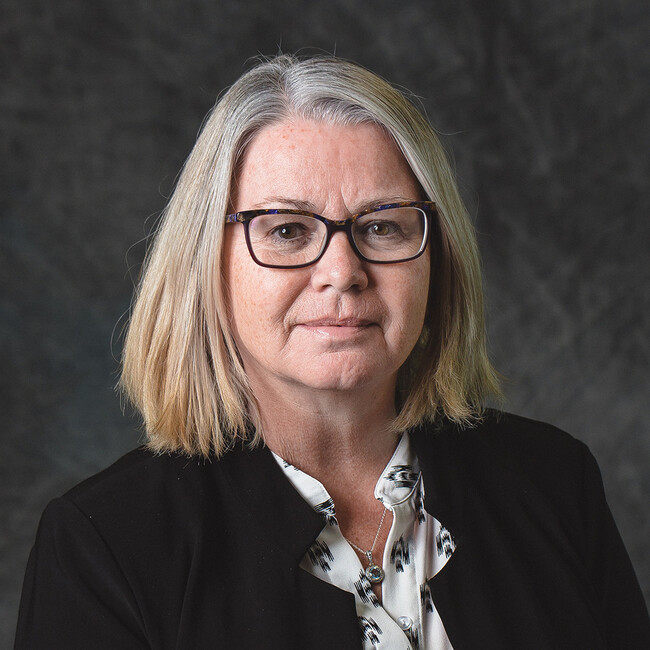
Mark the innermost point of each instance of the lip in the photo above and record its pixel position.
(336, 329)
(337, 322)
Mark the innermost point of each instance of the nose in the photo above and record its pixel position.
(340, 267)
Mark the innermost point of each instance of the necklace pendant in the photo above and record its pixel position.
(374, 572)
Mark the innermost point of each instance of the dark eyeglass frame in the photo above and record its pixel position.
(246, 216)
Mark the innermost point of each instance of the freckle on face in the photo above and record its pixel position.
(338, 170)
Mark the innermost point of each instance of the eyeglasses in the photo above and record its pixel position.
(290, 239)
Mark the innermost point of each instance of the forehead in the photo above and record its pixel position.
(324, 164)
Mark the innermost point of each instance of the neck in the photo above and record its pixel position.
(331, 435)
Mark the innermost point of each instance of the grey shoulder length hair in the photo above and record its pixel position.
(181, 368)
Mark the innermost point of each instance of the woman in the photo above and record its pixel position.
(307, 350)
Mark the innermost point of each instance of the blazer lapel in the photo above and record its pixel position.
(320, 616)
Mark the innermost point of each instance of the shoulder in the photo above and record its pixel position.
(150, 510)
(533, 491)
(167, 497)
(142, 477)
(507, 439)
(529, 443)
(139, 468)
(506, 461)
(533, 452)
(518, 433)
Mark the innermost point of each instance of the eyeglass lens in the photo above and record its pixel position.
(292, 240)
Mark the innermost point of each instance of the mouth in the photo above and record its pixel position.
(337, 322)
(339, 330)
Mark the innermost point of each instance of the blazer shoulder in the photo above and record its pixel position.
(510, 424)
(540, 451)
(136, 469)
(508, 437)
(145, 482)
(524, 435)
(508, 457)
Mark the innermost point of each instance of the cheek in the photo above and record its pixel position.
(414, 317)
(258, 298)
(252, 303)
(414, 289)
(413, 312)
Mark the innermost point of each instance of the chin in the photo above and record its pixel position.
(342, 377)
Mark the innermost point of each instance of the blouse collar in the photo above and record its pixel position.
(396, 483)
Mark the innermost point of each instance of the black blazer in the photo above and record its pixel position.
(170, 552)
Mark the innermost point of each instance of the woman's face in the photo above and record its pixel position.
(342, 323)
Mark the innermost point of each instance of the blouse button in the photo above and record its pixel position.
(405, 622)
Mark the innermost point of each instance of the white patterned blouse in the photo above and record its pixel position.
(418, 546)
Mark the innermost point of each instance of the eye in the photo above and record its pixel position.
(381, 228)
(288, 231)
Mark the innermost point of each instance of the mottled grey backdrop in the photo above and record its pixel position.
(544, 105)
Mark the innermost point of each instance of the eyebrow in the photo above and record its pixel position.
(287, 202)
(308, 206)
